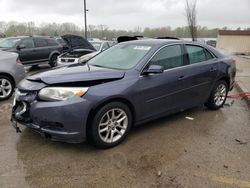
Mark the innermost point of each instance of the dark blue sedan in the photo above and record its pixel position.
(126, 85)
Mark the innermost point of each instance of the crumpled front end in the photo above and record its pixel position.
(61, 121)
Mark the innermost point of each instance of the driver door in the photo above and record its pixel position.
(165, 92)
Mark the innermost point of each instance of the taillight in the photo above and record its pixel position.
(18, 61)
(234, 62)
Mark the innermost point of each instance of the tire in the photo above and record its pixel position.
(218, 95)
(106, 123)
(7, 87)
(53, 60)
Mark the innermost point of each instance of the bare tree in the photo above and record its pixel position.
(191, 18)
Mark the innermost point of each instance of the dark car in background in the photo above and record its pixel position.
(63, 43)
(33, 50)
(128, 84)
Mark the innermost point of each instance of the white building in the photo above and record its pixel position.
(234, 41)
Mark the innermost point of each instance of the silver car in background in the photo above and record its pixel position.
(11, 73)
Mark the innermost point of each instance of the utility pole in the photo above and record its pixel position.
(85, 20)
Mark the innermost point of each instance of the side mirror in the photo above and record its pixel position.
(153, 69)
(21, 46)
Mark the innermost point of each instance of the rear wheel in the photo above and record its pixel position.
(6, 87)
(53, 60)
(218, 95)
(111, 125)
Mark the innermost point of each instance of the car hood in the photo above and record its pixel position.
(76, 73)
(77, 42)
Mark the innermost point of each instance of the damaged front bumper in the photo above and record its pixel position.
(60, 121)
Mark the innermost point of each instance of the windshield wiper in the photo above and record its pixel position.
(98, 66)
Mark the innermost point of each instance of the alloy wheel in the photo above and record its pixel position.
(220, 94)
(5, 88)
(113, 125)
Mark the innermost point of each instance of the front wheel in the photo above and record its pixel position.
(218, 95)
(53, 60)
(111, 125)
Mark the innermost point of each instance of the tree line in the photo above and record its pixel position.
(8, 29)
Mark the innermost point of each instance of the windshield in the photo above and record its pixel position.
(97, 45)
(9, 42)
(122, 56)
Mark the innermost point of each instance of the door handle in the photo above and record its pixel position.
(213, 69)
(181, 78)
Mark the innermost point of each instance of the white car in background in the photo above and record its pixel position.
(83, 55)
(77, 47)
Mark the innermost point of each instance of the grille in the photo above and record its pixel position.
(68, 60)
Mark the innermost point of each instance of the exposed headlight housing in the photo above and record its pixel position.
(61, 93)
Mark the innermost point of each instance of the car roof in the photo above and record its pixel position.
(17, 37)
(154, 42)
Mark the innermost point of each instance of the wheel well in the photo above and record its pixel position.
(94, 111)
(9, 76)
(226, 80)
(52, 54)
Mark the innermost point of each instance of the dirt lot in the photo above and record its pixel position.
(213, 150)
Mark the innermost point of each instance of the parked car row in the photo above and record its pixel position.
(33, 50)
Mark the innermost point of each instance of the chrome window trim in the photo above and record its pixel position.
(183, 62)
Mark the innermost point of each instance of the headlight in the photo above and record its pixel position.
(61, 93)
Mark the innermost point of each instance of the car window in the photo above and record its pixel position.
(9, 42)
(169, 57)
(39, 42)
(208, 55)
(52, 42)
(198, 54)
(28, 43)
(105, 46)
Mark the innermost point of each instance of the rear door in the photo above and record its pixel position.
(203, 71)
(167, 92)
(42, 49)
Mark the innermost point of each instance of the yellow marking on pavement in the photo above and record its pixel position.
(223, 179)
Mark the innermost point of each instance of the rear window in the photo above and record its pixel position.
(198, 54)
(52, 42)
(39, 42)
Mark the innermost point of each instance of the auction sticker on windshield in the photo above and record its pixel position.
(142, 48)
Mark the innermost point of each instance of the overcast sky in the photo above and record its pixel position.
(128, 14)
